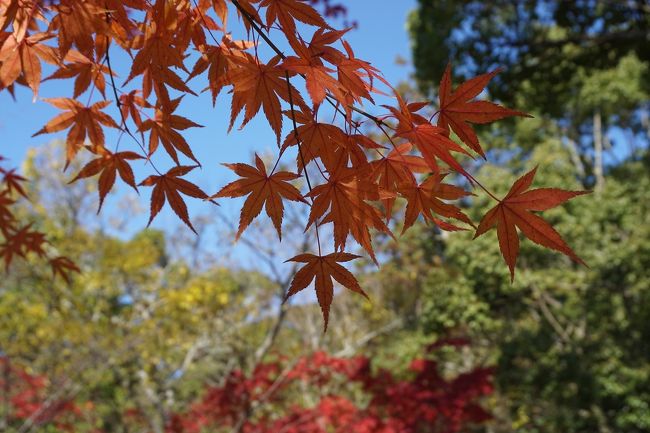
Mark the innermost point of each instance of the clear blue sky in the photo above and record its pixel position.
(380, 38)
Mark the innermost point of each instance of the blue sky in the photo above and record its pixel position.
(380, 38)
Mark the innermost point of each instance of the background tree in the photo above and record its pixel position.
(562, 337)
(583, 64)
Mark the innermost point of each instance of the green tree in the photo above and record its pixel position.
(569, 343)
(585, 65)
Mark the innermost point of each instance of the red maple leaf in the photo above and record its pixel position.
(324, 269)
(515, 210)
(263, 190)
(109, 165)
(167, 187)
(457, 110)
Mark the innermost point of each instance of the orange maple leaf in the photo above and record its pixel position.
(343, 201)
(425, 199)
(286, 12)
(76, 22)
(356, 76)
(320, 44)
(317, 140)
(318, 80)
(131, 104)
(84, 121)
(395, 169)
(164, 129)
(262, 190)
(324, 269)
(217, 59)
(257, 85)
(457, 110)
(25, 57)
(109, 165)
(85, 70)
(431, 141)
(21, 15)
(514, 210)
(168, 187)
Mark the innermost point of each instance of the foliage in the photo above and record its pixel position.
(353, 398)
(81, 37)
(425, 401)
(24, 399)
(568, 341)
(548, 49)
(21, 239)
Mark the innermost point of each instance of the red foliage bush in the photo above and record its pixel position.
(423, 402)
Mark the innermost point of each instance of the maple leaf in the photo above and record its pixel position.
(158, 53)
(63, 266)
(342, 200)
(323, 269)
(76, 22)
(515, 211)
(317, 140)
(286, 12)
(13, 181)
(85, 70)
(425, 199)
(318, 80)
(7, 217)
(249, 12)
(257, 85)
(109, 165)
(263, 190)
(320, 42)
(131, 104)
(221, 9)
(395, 169)
(217, 59)
(457, 110)
(356, 75)
(431, 141)
(22, 15)
(167, 187)
(20, 242)
(24, 57)
(84, 121)
(164, 129)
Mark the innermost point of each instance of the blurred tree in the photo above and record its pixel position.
(131, 326)
(569, 343)
(584, 64)
(549, 43)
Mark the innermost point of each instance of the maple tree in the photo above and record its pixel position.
(424, 401)
(351, 182)
(24, 398)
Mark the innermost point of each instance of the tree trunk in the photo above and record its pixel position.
(598, 152)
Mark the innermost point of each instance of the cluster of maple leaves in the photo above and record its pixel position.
(351, 182)
(423, 401)
(23, 397)
(21, 238)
